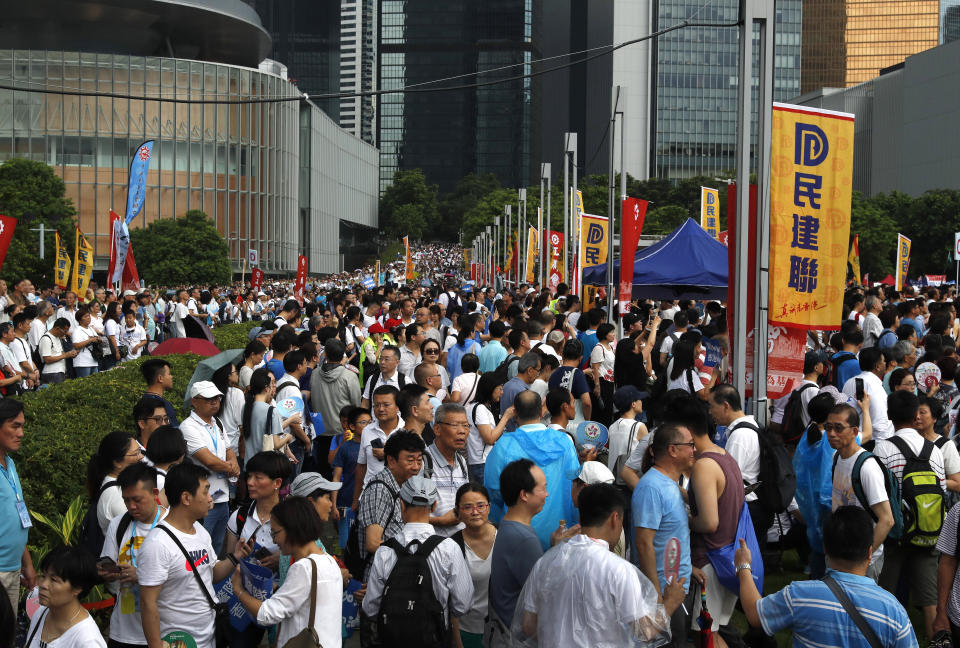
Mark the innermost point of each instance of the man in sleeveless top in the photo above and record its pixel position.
(716, 499)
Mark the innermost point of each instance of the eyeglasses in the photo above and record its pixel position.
(831, 427)
(159, 420)
(480, 507)
(460, 426)
(689, 444)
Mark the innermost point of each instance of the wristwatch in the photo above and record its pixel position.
(743, 566)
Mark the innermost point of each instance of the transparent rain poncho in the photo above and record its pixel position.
(580, 595)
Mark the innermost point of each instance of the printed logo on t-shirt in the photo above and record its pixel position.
(198, 557)
(566, 381)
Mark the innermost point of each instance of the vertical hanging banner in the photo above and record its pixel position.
(710, 211)
(854, 258)
(82, 265)
(632, 213)
(136, 193)
(301, 280)
(532, 254)
(594, 231)
(128, 267)
(377, 274)
(903, 260)
(555, 270)
(810, 190)
(62, 271)
(7, 225)
(256, 279)
(408, 274)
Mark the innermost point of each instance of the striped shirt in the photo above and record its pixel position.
(947, 545)
(818, 620)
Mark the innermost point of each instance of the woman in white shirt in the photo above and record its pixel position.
(313, 588)
(111, 331)
(602, 360)
(464, 387)
(67, 574)
(116, 451)
(683, 372)
(230, 415)
(476, 540)
(84, 337)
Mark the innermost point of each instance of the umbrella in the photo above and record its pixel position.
(705, 621)
(206, 368)
(194, 327)
(186, 345)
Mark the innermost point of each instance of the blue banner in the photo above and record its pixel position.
(368, 283)
(136, 188)
(257, 580)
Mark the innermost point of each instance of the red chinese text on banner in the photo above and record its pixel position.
(633, 211)
(256, 279)
(555, 245)
(301, 282)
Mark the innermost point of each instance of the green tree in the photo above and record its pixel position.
(33, 194)
(878, 236)
(930, 225)
(488, 208)
(464, 197)
(421, 213)
(188, 250)
(665, 219)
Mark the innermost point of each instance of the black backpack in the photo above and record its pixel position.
(793, 426)
(91, 536)
(501, 371)
(410, 614)
(838, 359)
(778, 481)
(452, 302)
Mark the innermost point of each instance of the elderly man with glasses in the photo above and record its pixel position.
(443, 463)
(207, 446)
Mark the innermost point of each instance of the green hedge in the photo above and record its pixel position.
(64, 425)
(233, 336)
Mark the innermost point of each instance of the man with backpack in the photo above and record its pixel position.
(122, 542)
(794, 417)
(857, 481)
(917, 463)
(419, 580)
(743, 444)
(569, 376)
(845, 365)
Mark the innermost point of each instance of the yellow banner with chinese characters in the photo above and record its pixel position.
(408, 273)
(710, 211)
(532, 254)
(903, 260)
(82, 265)
(62, 270)
(594, 231)
(811, 179)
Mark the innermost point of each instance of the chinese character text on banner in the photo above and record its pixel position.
(710, 211)
(82, 265)
(555, 271)
(810, 189)
(62, 271)
(301, 281)
(633, 211)
(408, 274)
(594, 231)
(903, 260)
(532, 255)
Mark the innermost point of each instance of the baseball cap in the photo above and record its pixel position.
(392, 323)
(419, 491)
(376, 327)
(129, 293)
(309, 482)
(254, 333)
(204, 389)
(594, 472)
(626, 395)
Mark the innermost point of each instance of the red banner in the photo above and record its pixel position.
(632, 212)
(555, 245)
(256, 279)
(301, 281)
(725, 236)
(7, 225)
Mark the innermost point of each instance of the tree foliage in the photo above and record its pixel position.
(181, 251)
(409, 206)
(33, 194)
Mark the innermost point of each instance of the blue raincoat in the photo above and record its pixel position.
(813, 465)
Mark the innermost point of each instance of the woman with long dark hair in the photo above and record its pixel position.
(602, 359)
(111, 330)
(683, 371)
(84, 338)
(486, 424)
(230, 413)
(252, 356)
(116, 451)
(351, 336)
(260, 418)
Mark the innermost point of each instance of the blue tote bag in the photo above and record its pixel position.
(721, 559)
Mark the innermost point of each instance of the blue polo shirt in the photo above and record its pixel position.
(13, 537)
(658, 504)
(818, 619)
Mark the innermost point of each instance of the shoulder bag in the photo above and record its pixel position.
(869, 634)
(221, 621)
(307, 638)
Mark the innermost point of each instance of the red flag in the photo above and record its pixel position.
(632, 213)
(131, 278)
(256, 279)
(7, 225)
(301, 281)
(555, 272)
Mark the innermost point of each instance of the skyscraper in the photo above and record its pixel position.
(358, 67)
(949, 20)
(846, 42)
(485, 129)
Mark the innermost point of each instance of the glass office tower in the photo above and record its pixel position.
(486, 129)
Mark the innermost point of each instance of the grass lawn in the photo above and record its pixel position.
(791, 570)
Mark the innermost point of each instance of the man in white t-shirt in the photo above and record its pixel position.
(386, 421)
(170, 596)
(123, 541)
(207, 445)
(872, 369)
(179, 311)
(295, 366)
(39, 325)
(743, 444)
(51, 351)
(842, 428)
(69, 309)
(132, 335)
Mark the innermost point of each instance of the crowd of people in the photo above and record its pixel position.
(444, 430)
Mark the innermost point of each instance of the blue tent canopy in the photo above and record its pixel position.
(687, 264)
